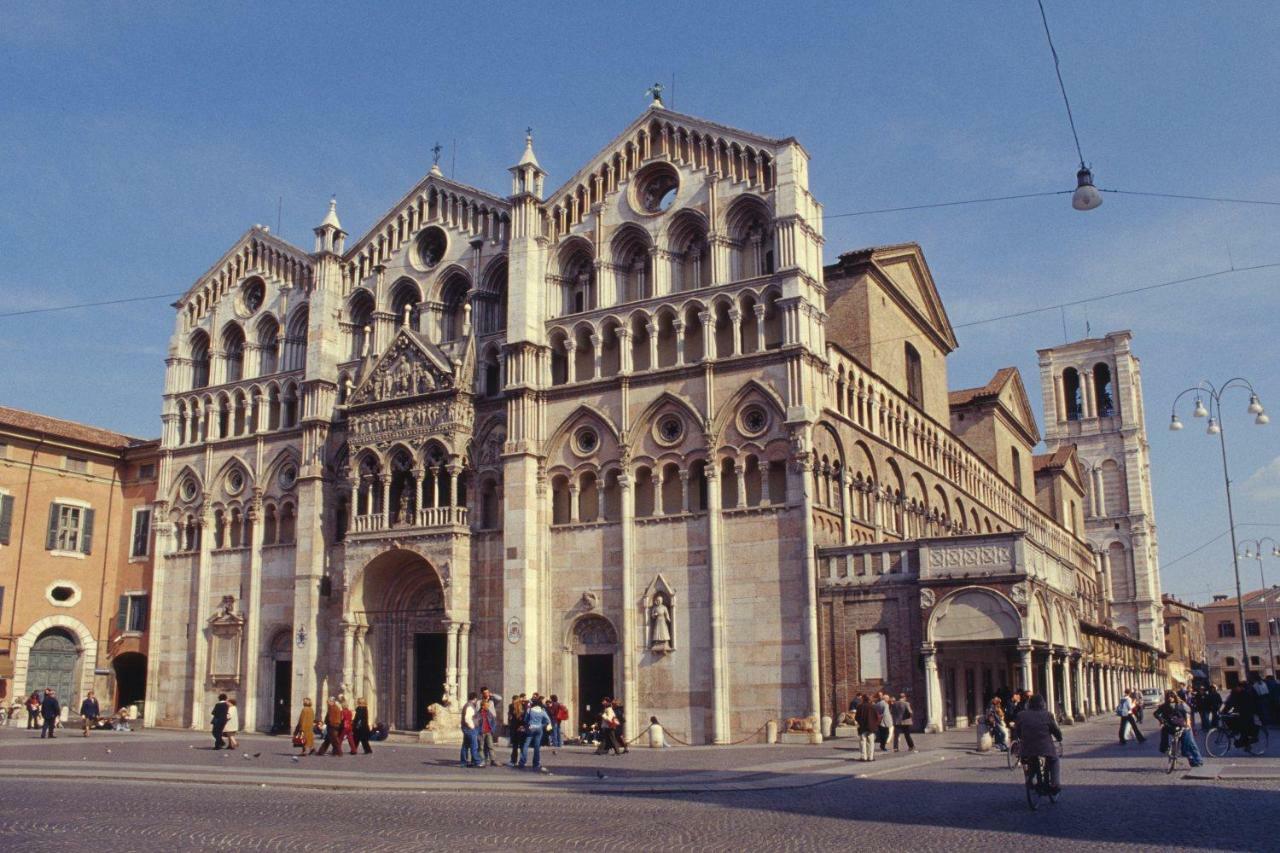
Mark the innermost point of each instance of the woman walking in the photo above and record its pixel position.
(348, 733)
(306, 730)
(360, 727)
(233, 725)
(332, 729)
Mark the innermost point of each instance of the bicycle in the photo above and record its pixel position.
(1012, 753)
(1219, 740)
(1175, 748)
(1038, 780)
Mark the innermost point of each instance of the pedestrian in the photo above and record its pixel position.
(515, 726)
(536, 726)
(348, 733)
(233, 725)
(89, 712)
(487, 725)
(1124, 711)
(559, 714)
(886, 720)
(332, 728)
(608, 730)
(33, 710)
(868, 720)
(620, 726)
(360, 727)
(219, 720)
(50, 709)
(304, 734)
(1215, 706)
(900, 713)
(470, 754)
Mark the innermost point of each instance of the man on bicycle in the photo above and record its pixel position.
(1242, 706)
(1175, 716)
(1038, 730)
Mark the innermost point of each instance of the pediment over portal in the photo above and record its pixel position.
(410, 366)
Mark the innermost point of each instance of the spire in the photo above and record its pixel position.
(528, 158)
(331, 218)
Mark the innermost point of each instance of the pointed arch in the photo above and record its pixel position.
(220, 479)
(725, 415)
(271, 475)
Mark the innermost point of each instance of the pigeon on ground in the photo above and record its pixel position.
(246, 756)
(294, 759)
(108, 750)
(600, 775)
(257, 755)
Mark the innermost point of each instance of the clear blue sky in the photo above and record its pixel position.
(138, 140)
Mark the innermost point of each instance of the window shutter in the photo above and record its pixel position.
(6, 518)
(142, 606)
(122, 617)
(86, 532)
(51, 541)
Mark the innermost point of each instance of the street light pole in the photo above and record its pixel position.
(1266, 604)
(1215, 428)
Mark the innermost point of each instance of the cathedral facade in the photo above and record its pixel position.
(625, 438)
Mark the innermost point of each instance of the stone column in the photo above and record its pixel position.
(678, 325)
(1050, 694)
(419, 477)
(624, 350)
(1024, 663)
(451, 660)
(759, 312)
(573, 501)
(719, 669)
(200, 654)
(652, 329)
(1080, 695)
(735, 317)
(1086, 393)
(708, 335)
(454, 472)
(631, 636)
(659, 476)
(932, 689)
(1068, 709)
(348, 657)
(813, 703)
(595, 356)
(570, 361)
(386, 500)
(253, 618)
(464, 653)
(740, 475)
(358, 667)
(684, 490)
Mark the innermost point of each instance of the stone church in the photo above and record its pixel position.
(623, 438)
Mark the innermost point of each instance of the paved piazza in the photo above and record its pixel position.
(76, 795)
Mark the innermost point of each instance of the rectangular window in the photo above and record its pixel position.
(147, 472)
(915, 376)
(70, 528)
(1254, 660)
(76, 464)
(1231, 661)
(1226, 629)
(141, 546)
(1251, 628)
(6, 518)
(132, 615)
(873, 656)
(1017, 470)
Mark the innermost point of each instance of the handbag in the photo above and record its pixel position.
(299, 740)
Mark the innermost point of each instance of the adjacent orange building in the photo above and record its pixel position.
(76, 550)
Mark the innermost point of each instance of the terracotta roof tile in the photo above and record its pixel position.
(69, 430)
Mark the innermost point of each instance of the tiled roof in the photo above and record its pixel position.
(21, 420)
(965, 396)
(1250, 598)
(1056, 459)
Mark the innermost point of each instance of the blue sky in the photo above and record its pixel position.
(137, 141)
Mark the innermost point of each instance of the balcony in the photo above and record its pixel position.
(428, 518)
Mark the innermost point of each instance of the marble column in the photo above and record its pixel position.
(1024, 663)
(1068, 711)
(932, 689)
(719, 669)
(631, 636)
(451, 660)
(253, 620)
(464, 653)
(348, 657)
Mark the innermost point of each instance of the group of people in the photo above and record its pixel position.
(340, 724)
(1249, 704)
(532, 721)
(45, 710)
(877, 716)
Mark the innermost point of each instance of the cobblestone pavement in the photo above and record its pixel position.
(1115, 799)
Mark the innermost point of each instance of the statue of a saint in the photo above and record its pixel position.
(660, 621)
(405, 512)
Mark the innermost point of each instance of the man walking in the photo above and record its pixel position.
(1125, 712)
(50, 708)
(470, 755)
(220, 713)
(89, 712)
(868, 720)
(536, 724)
(558, 714)
(487, 725)
(886, 720)
(900, 712)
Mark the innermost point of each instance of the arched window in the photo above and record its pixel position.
(199, 360)
(268, 345)
(453, 297)
(270, 525)
(295, 340)
(751, 236)
(632, 265)
(915, 376)
(1103, 397)
(559, 358)
(233, 352)
(405, 295)
(491, 302)
(578, 279)
(1071, 393)
(360, 310)
(692, 253)
(287, 524)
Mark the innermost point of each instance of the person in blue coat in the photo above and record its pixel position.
(50, 709)
(536, 725)
(89, 712)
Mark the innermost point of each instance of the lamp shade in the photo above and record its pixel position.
(1200, 411)
(1086, 196)
(1175, 424)
(1213, 428)
(1255, 405)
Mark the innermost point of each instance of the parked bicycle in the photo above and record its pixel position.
(1219, 740)
(1038, 779)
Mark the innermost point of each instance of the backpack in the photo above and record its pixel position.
(562, 713)
(1121, 710)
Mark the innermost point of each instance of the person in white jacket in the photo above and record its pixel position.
(233, 725)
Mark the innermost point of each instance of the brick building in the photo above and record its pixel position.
(1184, 641)
(75, 558)
(1261, 634)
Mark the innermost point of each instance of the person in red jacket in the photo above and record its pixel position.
(348, 732)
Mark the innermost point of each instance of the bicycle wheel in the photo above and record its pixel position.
(1217, 742)
(1012, 754)
(1259, 746)
(1032, 779)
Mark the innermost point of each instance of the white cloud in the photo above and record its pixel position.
(1264, 484)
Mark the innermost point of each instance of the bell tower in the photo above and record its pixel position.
(1092, 392)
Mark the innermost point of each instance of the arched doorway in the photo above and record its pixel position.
(594, 645)
(282, 681)
(131, 678)
(976, 632)
(400, 598)
(54, 662)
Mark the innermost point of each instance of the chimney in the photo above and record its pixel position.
(1219, 598)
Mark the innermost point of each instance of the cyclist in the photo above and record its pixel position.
(1242, 705)
(1175, 715)
(1038, 730)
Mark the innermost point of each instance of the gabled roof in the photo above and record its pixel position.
(1065, 459)
(1271, 593)
(256, 234)
(663, 114)
(902, 271)
(405, 339)
(20, 420)
(1006, 391)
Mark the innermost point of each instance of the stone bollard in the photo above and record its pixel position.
(827, 729)
(771, 731)
(984, 738)
(657, 738)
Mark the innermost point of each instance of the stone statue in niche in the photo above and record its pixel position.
(405, 511)
(660, 623)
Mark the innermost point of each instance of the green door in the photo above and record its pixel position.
(53, 663)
